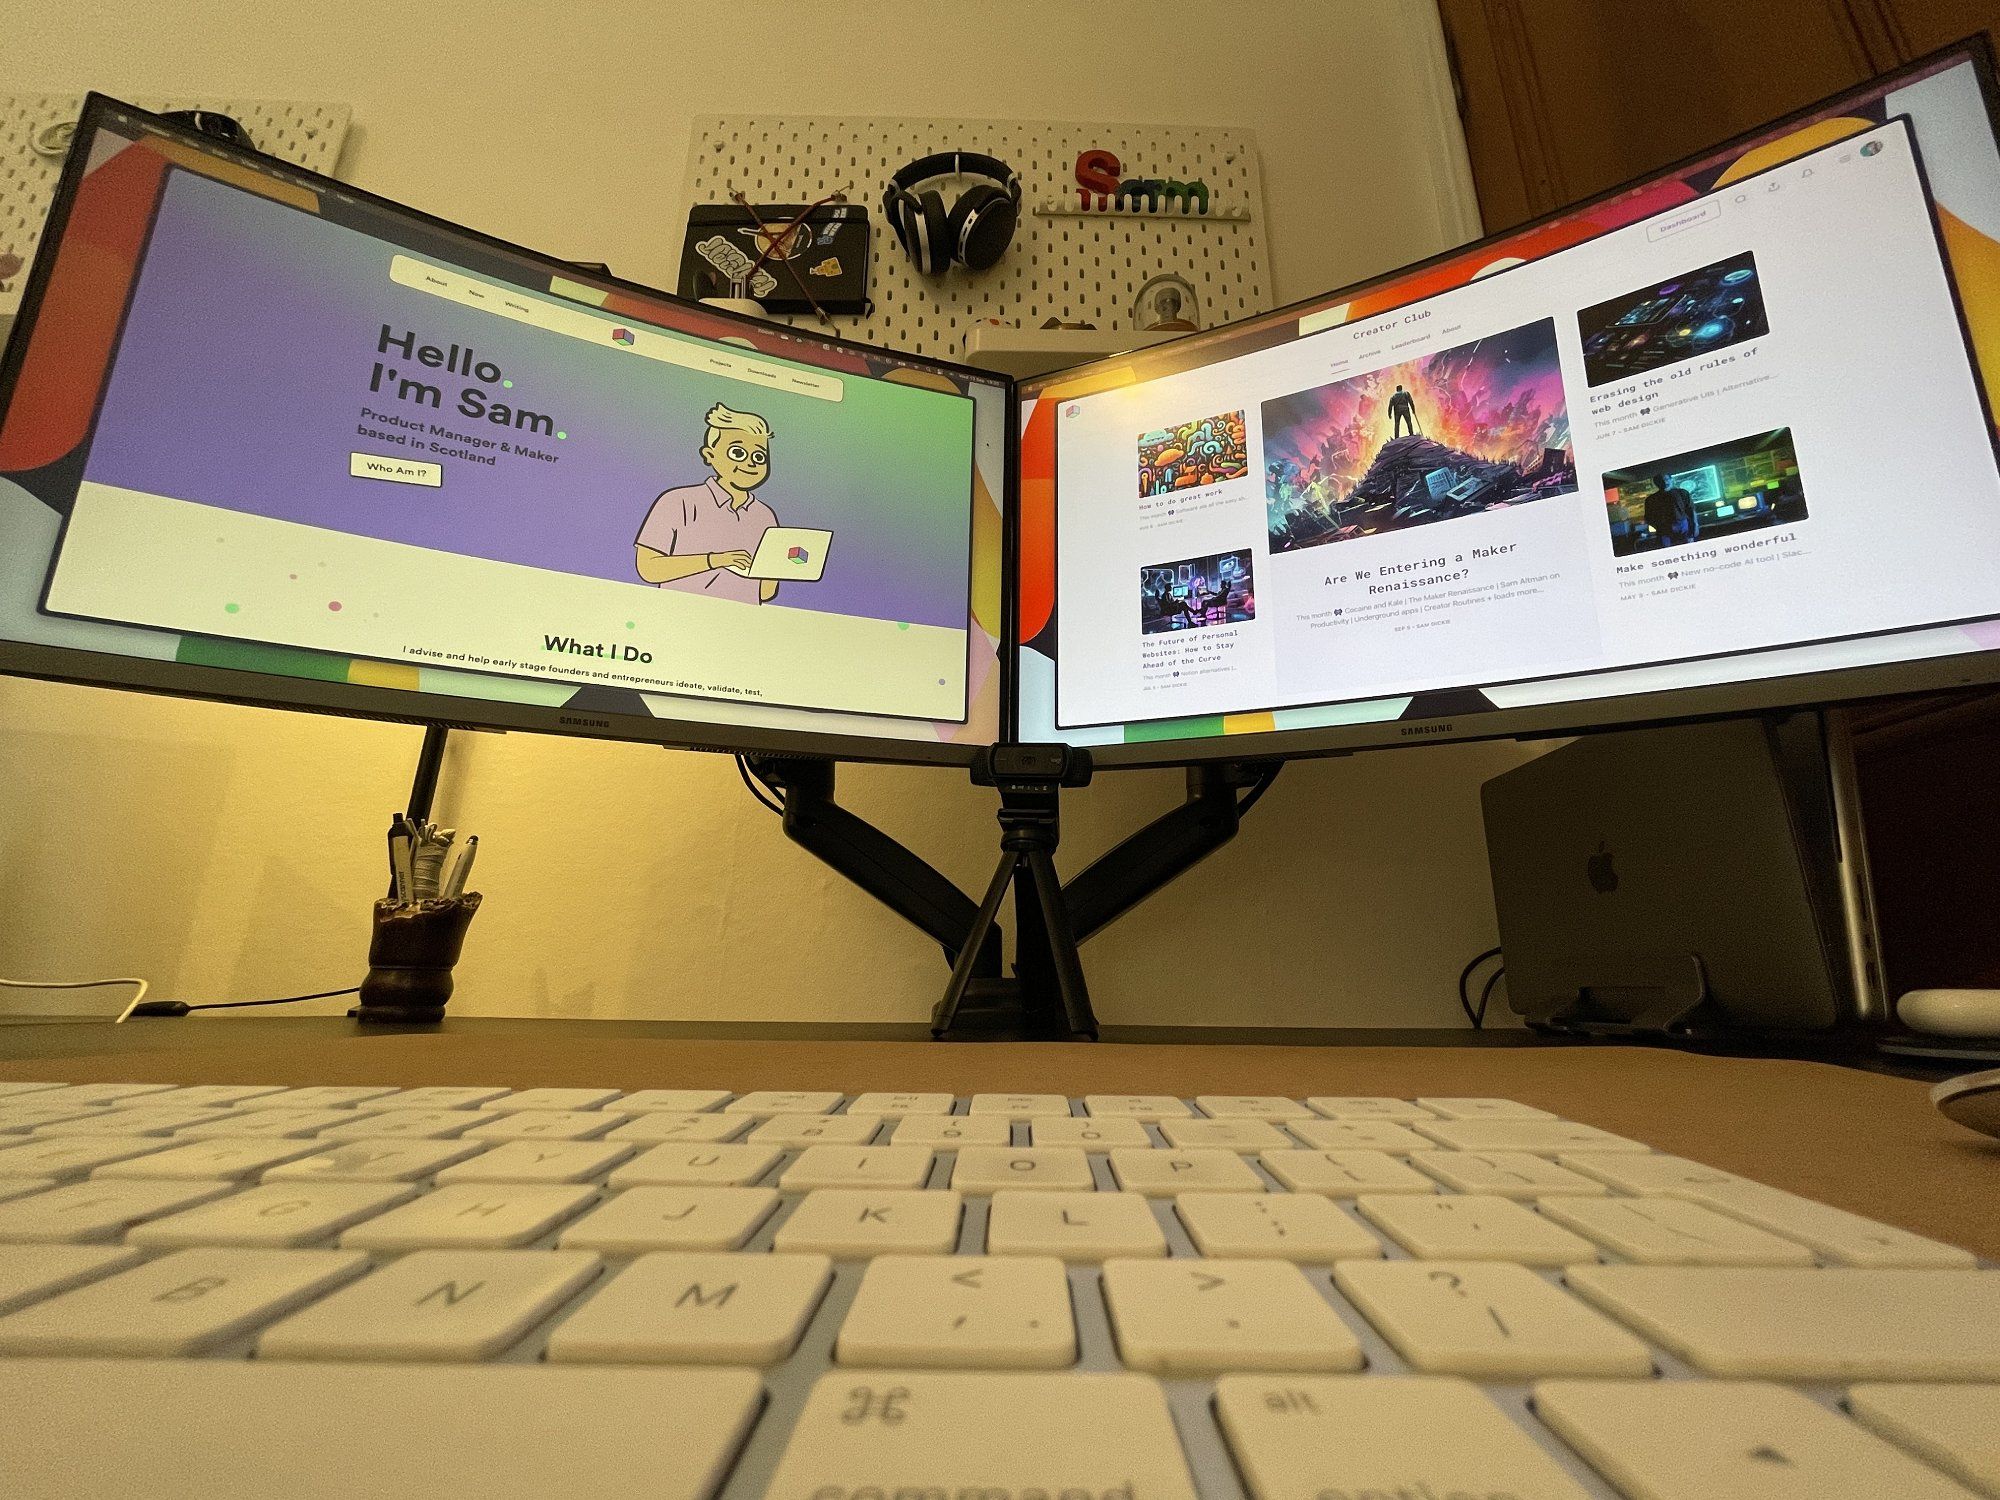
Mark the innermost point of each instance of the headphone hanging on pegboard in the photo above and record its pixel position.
(973, 232)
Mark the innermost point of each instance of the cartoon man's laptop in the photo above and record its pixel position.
(789, 554)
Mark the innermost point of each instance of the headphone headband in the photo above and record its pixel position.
(954, 163)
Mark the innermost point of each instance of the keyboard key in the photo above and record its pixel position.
(276, 1216)
(1146, 1107)
(858, 1166)
(29, 1273)
(1251, 1107)
(1088, 1135)
(950, 1131)
(1823, 1324)
(696, 1310)
(179, 1304)
(960, 1311)
(1296, 1437)
(767, 1102)
(1542, 1137)
(559, 1100)
(471, 1215)
(1673, 1232)
(325, 1096)
(436, 1304)
(987, 1169)
(1360, 1135)
(1273, 1226)
(1366, 1107)
(697, 1166)
(1505, 1174)
(898, 1106)
(1653, 1175)
(540, 1161)
(1497, 1322)
(450, 1096)
(1162, 1174)
(27, 1116)
(1484, 1109)
(277, 1124)
(80, 1213)
(673, 1101)
(376, 1161)
(1955, 1427)
(971, 1435)
(73, 1155)
(15, 1088)
(211, 1095)
(90, 1095)
(1345, 1174)
(1703, 1440)
(1473, 1227)
(853, 1223)
(1179, 1317)
(1245, 1136)
(794, 1132)
(143, 1119)
(546, 1125)
(20, 1187)
(1019, 1106)
(1836, 1234)
(664, 1125)
(223, 1158)
(249, 1427)
(405, 1125)
(1073, 1226)
(672, 1218)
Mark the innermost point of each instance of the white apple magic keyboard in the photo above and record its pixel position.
(368, 1292)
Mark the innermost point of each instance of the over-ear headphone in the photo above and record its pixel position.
(974, 232)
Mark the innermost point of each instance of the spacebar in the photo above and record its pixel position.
(196, 1429)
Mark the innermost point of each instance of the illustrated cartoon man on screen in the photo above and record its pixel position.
(701, 538)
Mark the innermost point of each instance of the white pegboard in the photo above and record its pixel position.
(308, 135)
(1080, 269)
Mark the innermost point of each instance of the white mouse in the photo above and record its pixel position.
(1973, 1101)
(1964, 1013)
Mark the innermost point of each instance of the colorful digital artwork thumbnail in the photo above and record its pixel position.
(1211, 450)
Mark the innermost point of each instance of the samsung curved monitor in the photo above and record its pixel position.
(268, 439)
(1717, 442)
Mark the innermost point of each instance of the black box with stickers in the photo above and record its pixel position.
(728, 253)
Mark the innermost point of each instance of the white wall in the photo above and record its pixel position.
(230, 853)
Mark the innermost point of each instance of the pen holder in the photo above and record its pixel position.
(410, 959)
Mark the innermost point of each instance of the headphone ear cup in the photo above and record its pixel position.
(982, 226)
(896, 209)
(934, 253)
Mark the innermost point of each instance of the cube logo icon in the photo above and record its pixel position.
(798, 555)
(623, 336)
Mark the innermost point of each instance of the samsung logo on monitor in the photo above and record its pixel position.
(573, 721)
(1410, 730)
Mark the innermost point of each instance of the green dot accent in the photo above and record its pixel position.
(507, 384)
(230, 609)
(631, 624)
(562, 434)
(902, 624)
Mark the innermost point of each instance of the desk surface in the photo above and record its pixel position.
(1859, 1140)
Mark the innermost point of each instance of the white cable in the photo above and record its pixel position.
(139, 986)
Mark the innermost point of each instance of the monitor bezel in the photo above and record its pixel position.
(1606, 711)
(170, 678)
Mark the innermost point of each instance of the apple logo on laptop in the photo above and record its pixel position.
(1600, 871)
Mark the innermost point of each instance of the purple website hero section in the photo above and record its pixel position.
(243, 377)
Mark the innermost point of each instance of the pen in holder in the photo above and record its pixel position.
(410, 958)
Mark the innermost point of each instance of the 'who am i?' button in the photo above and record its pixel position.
(394, 470)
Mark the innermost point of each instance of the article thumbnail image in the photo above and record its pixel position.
(1209, 451)
(1711, 492)
(1197, 591)
(1469, 429)
(1696, 313)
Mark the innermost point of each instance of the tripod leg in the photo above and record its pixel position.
(968, 956)
(1063, 956)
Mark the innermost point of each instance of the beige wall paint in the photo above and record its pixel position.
(229, 853)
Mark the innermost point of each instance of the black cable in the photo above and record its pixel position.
(182, 1007)
(1249, 798)
(1465, 977)
(1486, 993)
(757, 790)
